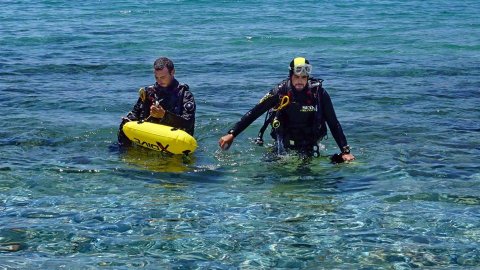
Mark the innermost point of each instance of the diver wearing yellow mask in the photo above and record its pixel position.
(299, 110)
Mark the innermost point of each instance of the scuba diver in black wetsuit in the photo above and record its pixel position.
(299, 109)
(167, 102)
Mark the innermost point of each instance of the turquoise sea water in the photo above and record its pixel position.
(405, 81)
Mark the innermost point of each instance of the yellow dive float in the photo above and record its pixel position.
(160, 137)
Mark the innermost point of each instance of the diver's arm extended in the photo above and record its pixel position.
(268, 102)
(336, 128)
(332, 121)
(253, 114)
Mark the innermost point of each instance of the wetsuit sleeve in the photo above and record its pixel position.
(186, 120)
(268, 102)
(138, 111)
(332, 121)
(141, 109)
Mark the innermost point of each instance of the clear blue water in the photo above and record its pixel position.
(405, 81)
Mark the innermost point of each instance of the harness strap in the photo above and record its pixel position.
(284, 101)
(268, 118)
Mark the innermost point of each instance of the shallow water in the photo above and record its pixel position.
(404, 80)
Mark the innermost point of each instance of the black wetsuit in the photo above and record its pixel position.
(303, 121)
(177, 101)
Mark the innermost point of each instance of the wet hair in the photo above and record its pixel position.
(163, 62)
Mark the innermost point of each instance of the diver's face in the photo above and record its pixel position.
(163, 77)
(299, 81)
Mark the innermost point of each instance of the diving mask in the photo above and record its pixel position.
(302, 70)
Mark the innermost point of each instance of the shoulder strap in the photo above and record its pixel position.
(268, 119)
(320, 128)
(315, 85)
(281, 90)
(183, 87)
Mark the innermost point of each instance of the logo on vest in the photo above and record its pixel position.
(309, 109)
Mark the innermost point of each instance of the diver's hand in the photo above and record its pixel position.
(340, 158)
(347, 157)
(157, 111)
(226, 141)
